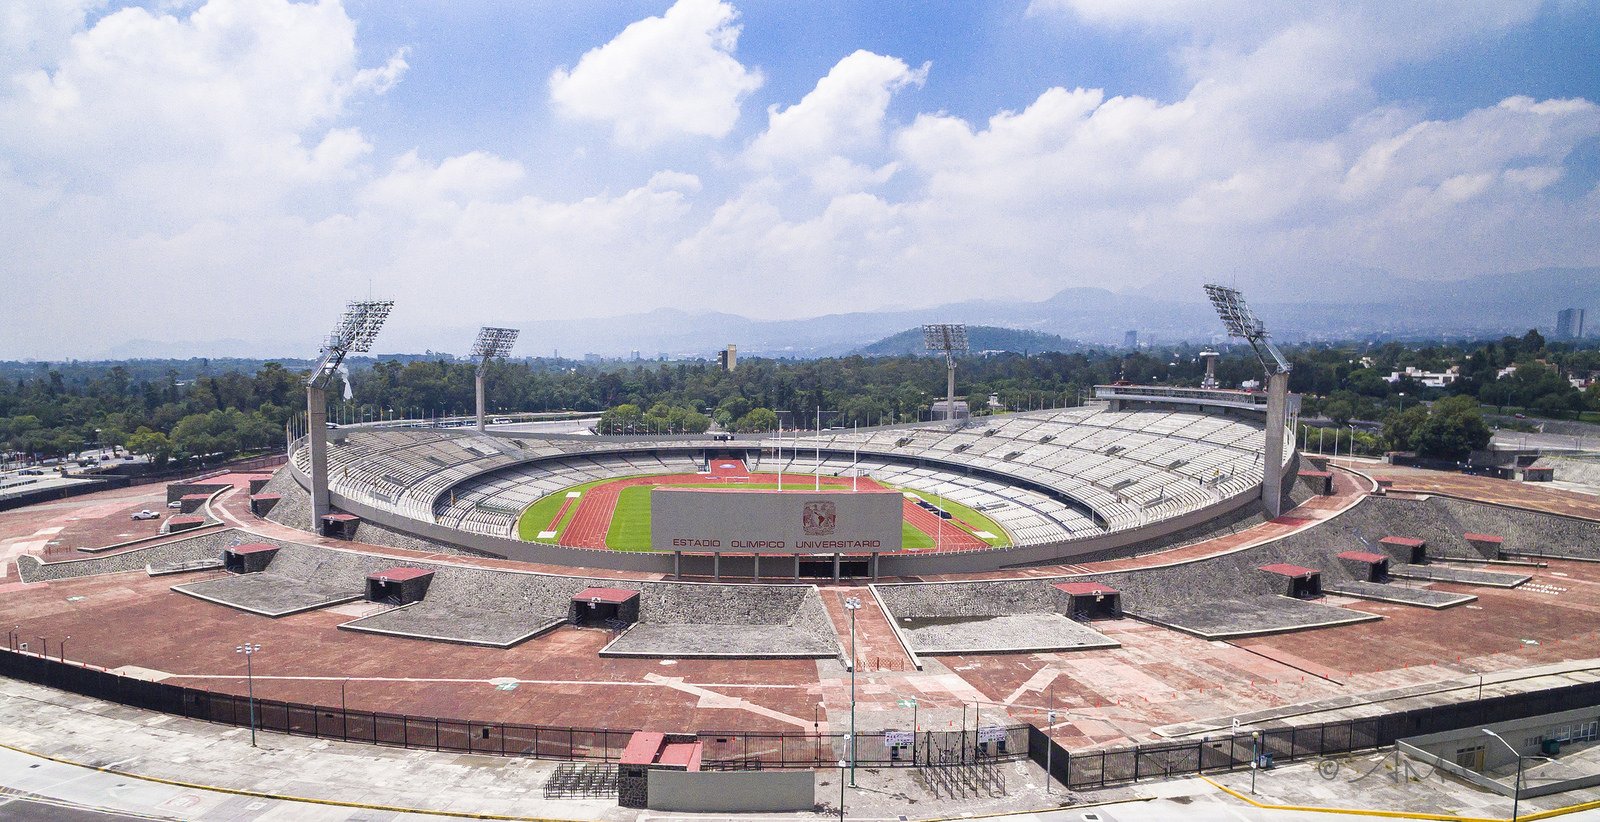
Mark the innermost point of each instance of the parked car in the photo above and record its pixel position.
(146, 514)
(32, 472)
(174, 504)
(501, 421)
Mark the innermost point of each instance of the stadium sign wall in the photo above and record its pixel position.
(769, 522)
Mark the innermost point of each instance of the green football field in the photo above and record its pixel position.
(630, 520)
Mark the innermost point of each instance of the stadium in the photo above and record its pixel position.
(1153, 582)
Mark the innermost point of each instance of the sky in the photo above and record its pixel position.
(234, 170)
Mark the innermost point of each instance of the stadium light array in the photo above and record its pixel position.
(493, 343)
(946, 337)
(1243, 323)
(357, 329)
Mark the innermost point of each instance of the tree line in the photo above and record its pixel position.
(193, 408)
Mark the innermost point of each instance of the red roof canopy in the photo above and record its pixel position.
(1364, 556)
(684, 755)
(1408, 542)
(642, 747)
(200, 497)
(401, 574)
(1288, 570)
(1318, 474)
(651, 748)
(184, 520)
(614, 596)
(265, 497)
(1084, 589)
(253, 548)
(1481, 538)
(340, 518)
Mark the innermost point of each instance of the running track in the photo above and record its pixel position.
(596, 507)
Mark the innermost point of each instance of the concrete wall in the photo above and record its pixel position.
(769, 522)
(1439, 750)
(731, 791)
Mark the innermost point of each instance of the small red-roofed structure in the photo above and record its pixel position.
(262, 504)
(248, 558)
(1487, 545)
(1302, 582)
(608, 607)
(400, 585)
(184, 522)
(1088, 600)
(647, 751)
(1366, 565)
(190, 503)
(340, 526)
(1405, 549)
(1319, 481)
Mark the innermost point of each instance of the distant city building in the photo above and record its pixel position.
(1130, 339)
(1431, 379)
(941, 410)
(1569, 324)
(728, 358)
(634, 355)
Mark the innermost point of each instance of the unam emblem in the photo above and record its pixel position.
(818, 517)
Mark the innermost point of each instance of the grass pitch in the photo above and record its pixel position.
(630, 520)
(538, 515)
(968, 516)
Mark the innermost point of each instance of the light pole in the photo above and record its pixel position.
(1255, 758)
(841, 788)
(1516, 790)
(61, 649)
(1049, 744)
(250, 650)
(852, 604)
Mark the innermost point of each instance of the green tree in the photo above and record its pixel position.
(759, 419)
(1454, 429)
(153, 445)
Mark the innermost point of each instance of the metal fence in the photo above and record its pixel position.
(1086, 770)
(724, 750)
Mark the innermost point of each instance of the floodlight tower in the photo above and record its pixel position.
(492, 342)
(948, 338)
(1243, 323)
(357, 330)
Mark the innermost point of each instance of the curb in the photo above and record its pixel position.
(338, 803)
(1442, 817)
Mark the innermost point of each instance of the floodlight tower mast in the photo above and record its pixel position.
(358, 328)
(1243, 323)
(948, 338)
(492, 343)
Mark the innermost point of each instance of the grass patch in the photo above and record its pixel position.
(912, 537)
(630, 522)
(970, 518)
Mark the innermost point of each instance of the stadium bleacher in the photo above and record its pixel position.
(1080, 472)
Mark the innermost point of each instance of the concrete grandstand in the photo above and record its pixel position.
(1059, 483)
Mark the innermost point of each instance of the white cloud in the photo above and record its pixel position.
(219, 153)
(662, 77)
(844, 113)
(222, 111)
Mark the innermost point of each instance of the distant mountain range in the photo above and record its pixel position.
(979, 338)
(1352, 304)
